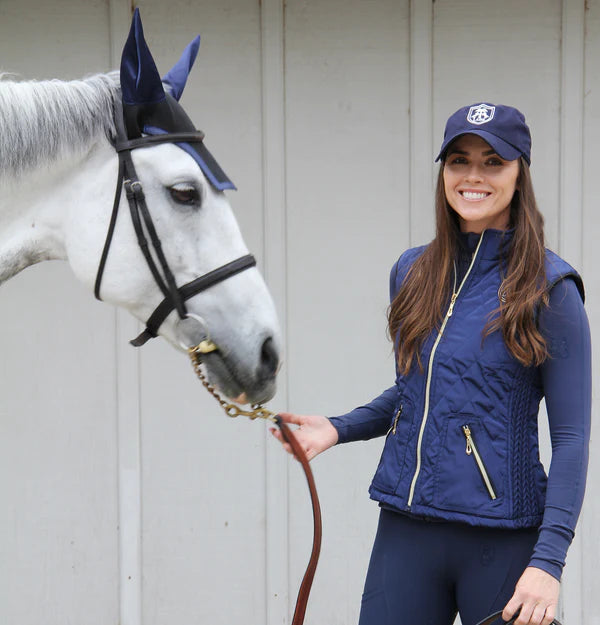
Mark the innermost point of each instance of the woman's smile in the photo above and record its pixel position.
(474, 196)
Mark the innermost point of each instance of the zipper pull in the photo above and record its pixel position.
(467, 433)
(396, 419)
(452, 300)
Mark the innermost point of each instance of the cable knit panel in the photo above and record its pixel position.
(527, 503)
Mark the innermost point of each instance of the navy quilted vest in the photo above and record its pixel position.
(463, 443)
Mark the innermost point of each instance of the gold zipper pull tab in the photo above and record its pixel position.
(396, 419)
(467, 433)
(450, 310)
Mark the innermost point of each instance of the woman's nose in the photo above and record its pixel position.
(474, 173)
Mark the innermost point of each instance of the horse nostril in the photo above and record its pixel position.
(269, 359)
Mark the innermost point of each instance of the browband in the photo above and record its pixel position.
(172, 137)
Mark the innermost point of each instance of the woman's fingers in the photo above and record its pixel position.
(315, 434)
(306, 447)
(537, 616)
(288, 417)
(549, 616)
(277, 434)
(536, 594)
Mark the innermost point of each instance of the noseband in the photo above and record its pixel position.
(147, 238)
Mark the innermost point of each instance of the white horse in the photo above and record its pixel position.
(58, 172)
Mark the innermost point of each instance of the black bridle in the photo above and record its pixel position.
(147, 237)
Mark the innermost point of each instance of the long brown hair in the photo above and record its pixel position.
(421, 302)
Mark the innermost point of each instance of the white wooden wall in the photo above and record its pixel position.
(128, 498)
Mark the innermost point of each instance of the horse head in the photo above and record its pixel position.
(174, 256)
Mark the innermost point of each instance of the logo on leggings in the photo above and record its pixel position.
(487, 555)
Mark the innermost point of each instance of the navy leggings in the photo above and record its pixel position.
(424, 572)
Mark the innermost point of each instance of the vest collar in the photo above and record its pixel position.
(494, 246)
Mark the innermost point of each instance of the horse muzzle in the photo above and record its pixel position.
(255, 385)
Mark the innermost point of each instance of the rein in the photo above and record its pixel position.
(258, 412)
(496, 618)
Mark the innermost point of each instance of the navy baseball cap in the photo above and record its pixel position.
(503, 127)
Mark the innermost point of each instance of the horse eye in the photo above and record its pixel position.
(185, 194)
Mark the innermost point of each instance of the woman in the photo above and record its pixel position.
(485, 323)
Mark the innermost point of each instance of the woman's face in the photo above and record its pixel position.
(479, 185)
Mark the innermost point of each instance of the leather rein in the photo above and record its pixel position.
(496, 618)
(259, 412)
(175, 298)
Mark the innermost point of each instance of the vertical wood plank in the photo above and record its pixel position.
(588, 527)
(347, 80)
(421, 121)
(570, 230)
(58, 540)
(129, 471)
(128, 408)
(277, 590)
(571, 131)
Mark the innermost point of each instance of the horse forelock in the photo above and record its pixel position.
(43, 121)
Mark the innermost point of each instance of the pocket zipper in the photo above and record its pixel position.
(472, 448)
(395, 423)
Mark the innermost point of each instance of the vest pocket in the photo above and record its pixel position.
(470, 471)
(391, 464)
(471, 449)
(394, 426)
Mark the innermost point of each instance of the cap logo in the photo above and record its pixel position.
(481, 114)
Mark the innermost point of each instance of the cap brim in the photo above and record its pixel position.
(503, 149)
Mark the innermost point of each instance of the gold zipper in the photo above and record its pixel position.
(395, 423)
(472, 449)
(453, 299)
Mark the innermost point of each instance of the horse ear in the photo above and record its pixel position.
(177, 76)
(140, 80)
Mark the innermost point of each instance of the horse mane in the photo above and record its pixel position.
(42, 121)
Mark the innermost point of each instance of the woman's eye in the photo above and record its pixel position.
(185, 194)
(458, 160)
(495, 162)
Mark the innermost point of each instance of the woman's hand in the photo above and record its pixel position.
(315, 434)
(536, 594)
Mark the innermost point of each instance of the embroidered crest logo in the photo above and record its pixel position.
(481, 114)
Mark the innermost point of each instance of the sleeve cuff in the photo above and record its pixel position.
(552, 568)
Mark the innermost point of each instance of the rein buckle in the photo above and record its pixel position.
(133, 188)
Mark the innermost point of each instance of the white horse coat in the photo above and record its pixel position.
(58, 172)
